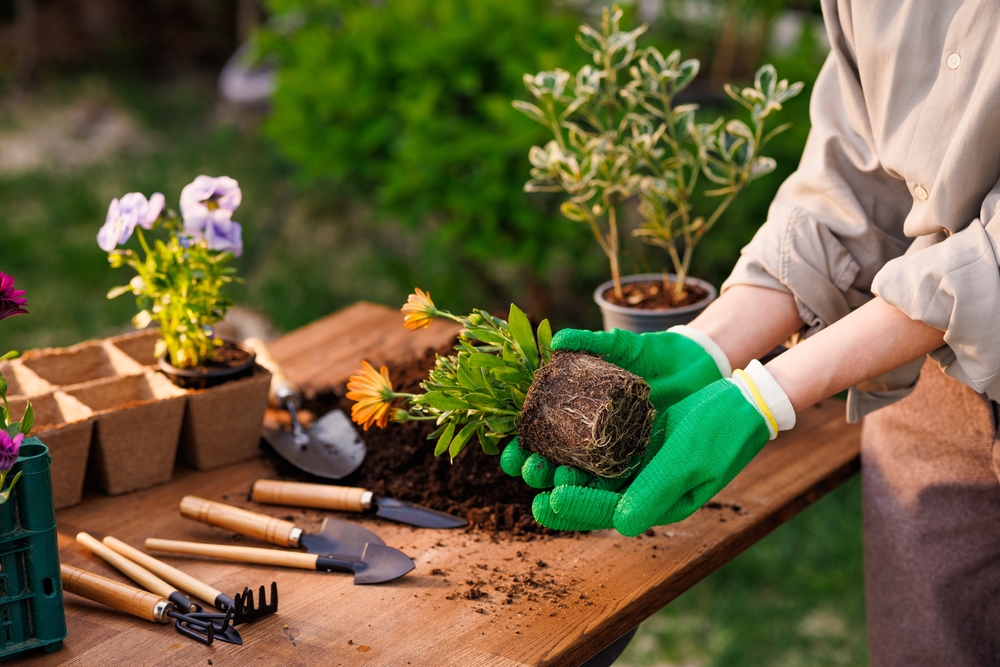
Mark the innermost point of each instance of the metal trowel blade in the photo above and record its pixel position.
(334, 449)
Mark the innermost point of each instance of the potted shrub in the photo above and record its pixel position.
(179, 284)
(618, 134)
(30, 584)
(503, 380)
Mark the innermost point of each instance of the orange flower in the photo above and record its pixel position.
(418, 310)
(373, 392)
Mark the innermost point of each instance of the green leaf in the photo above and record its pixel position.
(485, 336)
(10, 355)
(466, 377)
(28, 420)
(443, 401)
(13, 429)
(503, 425)
(458, 444)
(489, 443)
(142, 319)
(531, 111)
(510, 375)
(545, 340)
(766, 79)
(445, 439)
(481, 360)
(520, 329)
(483, 401)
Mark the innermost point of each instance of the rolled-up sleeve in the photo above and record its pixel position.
(953, 285)
(839, 218)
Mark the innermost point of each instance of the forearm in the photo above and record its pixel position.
(747, 322)
(871, 340)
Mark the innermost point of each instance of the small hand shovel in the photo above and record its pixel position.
(330, 448)
(375, 565)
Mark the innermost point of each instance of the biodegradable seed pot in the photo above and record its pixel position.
(642, 320)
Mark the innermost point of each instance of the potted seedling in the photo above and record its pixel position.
(31, 599)
(503, 379)
(618, 133)
(179, 282)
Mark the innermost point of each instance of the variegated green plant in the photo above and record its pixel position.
(617, 133)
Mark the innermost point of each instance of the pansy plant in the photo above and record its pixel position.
(12, 302)
(179, 277)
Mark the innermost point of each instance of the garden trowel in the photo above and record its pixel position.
(330, 448)
(334, 537)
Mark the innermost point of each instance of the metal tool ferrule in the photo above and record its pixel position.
(366, 500)
(161, 611)
(294, 536)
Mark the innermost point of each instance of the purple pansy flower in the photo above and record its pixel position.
(9, 449)
(124, 214)
(12, 301)
(224, 234)
(206, 194)
(207, 206)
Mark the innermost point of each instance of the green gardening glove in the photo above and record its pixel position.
(707, 439)
(675, 363)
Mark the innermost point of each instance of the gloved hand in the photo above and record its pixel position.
(675, 363)
(706, 440)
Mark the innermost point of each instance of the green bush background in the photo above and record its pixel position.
(392, 158)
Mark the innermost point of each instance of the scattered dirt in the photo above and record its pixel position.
(652, 296)
(401, 464)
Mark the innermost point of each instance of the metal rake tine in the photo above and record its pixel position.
(247, 611)
(189, 628)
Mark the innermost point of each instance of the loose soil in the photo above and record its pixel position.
(401, 464)
(228, 355)
(650, 295)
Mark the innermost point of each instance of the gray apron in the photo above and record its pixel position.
(931, 514)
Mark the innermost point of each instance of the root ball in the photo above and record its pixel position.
(585, 412)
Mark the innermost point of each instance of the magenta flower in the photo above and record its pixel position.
(124, 214)
(9, 449)
(12, 301)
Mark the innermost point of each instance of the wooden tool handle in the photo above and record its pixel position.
(181, 580)
(281, 385)
(242, 521)
(119, 596)
(241, 554)
(136, 573)
(322, 496)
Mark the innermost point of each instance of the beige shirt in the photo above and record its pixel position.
(897, 193)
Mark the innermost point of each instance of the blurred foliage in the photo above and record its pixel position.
(406, 104)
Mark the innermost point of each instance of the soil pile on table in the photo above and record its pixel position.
(401, 464)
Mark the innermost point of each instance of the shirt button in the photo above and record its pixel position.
(954, 60)
(920, 192)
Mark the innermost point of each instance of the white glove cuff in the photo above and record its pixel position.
(707, 344)
(774, 397)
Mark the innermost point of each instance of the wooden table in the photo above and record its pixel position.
(471, 600)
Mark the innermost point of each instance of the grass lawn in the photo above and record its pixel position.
(796, 598)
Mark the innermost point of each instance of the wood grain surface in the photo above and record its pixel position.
(474, 598)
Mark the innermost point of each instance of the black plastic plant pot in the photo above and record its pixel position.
(203, 378)
(31, 600)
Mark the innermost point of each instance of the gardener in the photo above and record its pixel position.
(880, 249)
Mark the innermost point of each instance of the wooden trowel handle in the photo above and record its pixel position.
(321, 496)
(119, 596)
(182, 580)
(282, 387)
(133, 571)
(241, 554)
(245, 522)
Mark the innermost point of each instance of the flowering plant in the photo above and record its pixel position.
(179, 278)
(617, 133)
(12, 302)
(478, 391)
